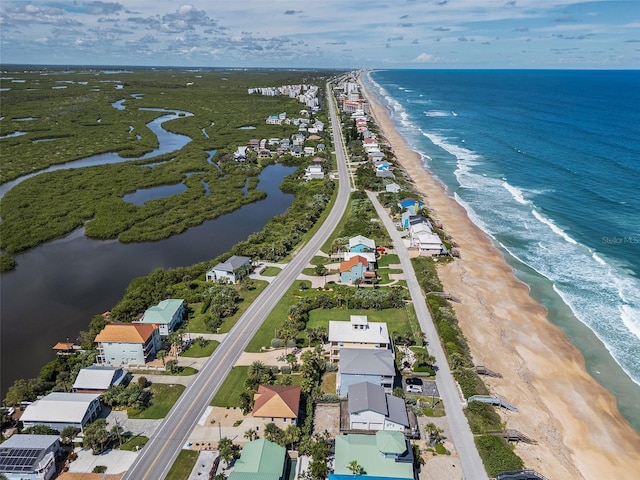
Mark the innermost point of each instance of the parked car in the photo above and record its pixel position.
(414, 389)
(413, 381)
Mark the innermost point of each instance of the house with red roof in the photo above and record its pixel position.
(277, 403)
(127, 343)
(356, 267)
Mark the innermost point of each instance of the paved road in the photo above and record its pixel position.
(156, 458)
(460, 432)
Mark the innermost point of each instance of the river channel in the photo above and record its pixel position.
(59, 286)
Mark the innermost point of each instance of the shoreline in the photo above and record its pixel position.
(575, 420)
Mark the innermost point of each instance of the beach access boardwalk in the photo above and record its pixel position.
(462, 437)
(157, 457)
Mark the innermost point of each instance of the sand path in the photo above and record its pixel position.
(580, 432)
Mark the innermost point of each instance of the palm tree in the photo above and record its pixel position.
(162, 354)
(354, 467)
(256, 370)
(287, 333)
(251, 434)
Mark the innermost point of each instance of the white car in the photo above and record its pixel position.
(413, 389)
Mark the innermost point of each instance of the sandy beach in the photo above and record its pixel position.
(575, 421)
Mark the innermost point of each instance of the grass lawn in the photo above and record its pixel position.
(270, 271)
(196, 324)
(396, 318)
(196, 351)
(181, 372)
(328, 384)
(309, 271)
(232, 387)
(164, 396)
(133, 442)
(388, 259)
(181, 468)
(319, 260)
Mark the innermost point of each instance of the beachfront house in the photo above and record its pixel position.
(358, 332)
(98, 379)
(59, 410)
(277, 403)
(261, 460)
(358, 365)
(127, 344)
(385, 455)
(370, 408)
(167, 315)
(392, 187)
(29, 457)
(424, 240)
(356, 268)
(231, 271)
(360, 243)
(411, 205)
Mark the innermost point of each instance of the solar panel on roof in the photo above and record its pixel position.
(18, 459)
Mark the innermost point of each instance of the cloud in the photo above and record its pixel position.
(521, 29)
(404, 17)
(441, 29)
(511, 3)
(336, 42)
(415, 41)
(292, 12)
(406, 25)
(425, 58)
(397, 38)
(102, 8)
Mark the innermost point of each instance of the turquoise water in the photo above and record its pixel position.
(548, 164)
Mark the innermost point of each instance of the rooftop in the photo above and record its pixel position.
(259, 457)
(126, 333)
(373, 332)
(278, 401)
(164, 312)
(366, 396)
(98, 377)
(367, 361)
(59, 407)
(348, 264)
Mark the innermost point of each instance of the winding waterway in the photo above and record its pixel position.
(59, 286)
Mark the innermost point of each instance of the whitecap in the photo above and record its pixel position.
(516, 193)
(553, 227)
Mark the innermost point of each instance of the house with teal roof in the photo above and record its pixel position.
(167, 314)
(260, 460)
(384, 456)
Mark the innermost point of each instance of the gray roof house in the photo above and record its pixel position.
(98, 379)
(58, 410)
(370, 408)
(26, 457)
(230, 271)
(365, 365)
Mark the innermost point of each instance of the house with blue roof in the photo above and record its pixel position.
(411, 205)
(167, 315)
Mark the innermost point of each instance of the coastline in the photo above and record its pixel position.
(574, 419)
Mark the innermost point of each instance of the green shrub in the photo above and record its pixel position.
(497, 455)
(277, 343)
(99, 469)
(482, 417)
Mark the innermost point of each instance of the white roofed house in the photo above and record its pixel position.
(424, 240)
(98, 379)
(357, 333)
(360, 243)
(313, 172)
(59, 410)
(231, 271)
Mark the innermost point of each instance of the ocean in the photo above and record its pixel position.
(548, 164)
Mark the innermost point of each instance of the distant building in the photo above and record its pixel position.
(29, 457)
(356, 268)
(313, 172)
(360, 243)
(392, 188)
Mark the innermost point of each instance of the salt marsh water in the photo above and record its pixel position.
(548, 164)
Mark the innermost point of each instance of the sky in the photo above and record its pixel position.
(323, 34)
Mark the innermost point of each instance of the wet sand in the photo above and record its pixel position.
(575, 421)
